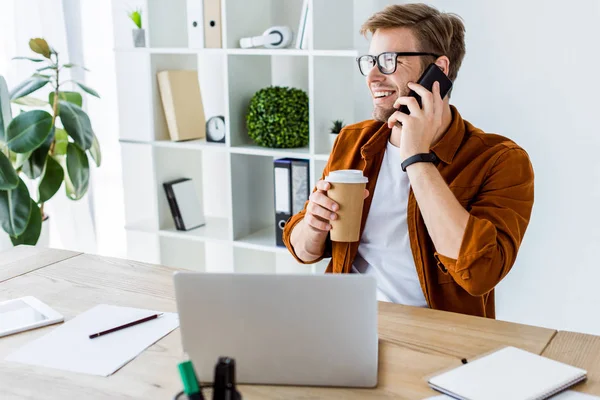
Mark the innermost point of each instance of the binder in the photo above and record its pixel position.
(182, 104)
(185, 204)
(212, 24)
(195, 24)
(291, 178)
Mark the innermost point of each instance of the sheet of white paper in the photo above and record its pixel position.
(68, 347)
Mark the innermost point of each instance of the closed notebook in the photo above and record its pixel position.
(509, 373)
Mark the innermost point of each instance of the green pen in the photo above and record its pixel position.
(190, 383)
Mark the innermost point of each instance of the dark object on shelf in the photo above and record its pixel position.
(291, 177)
(186, 206)
(215, 129)
(278, 117)
(336, 126)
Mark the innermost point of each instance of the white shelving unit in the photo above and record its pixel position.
(235, 179)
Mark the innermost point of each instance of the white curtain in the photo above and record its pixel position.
(71, 222)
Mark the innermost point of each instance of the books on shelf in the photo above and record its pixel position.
(291, 177)
(303, 27)
(182, 104)
(186, 205)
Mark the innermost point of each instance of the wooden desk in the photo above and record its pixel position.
(579, 350)
(414, 343)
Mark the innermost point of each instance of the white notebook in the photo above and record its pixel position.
(509, 373)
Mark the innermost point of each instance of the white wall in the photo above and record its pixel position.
(524, 76)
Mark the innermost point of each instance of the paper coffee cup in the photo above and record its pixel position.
(348, 191)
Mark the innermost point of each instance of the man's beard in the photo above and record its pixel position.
(383, 113)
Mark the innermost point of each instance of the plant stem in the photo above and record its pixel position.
(55, 105)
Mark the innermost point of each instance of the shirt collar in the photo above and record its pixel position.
(445, 149)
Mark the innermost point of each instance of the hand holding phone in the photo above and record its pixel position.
(430, 75)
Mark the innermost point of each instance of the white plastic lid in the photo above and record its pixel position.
(347, 176)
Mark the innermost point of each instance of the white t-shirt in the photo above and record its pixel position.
(384, 248)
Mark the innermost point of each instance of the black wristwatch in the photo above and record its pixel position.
(423, 157)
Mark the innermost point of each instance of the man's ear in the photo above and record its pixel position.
(444, 63)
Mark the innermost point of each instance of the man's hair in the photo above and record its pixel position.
(436, 32)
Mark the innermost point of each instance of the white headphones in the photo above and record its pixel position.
(275, 37)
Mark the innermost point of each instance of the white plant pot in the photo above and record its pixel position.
(139, 37)
(43, 241)
(332, 137)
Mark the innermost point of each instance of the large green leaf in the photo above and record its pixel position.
(71, 97)
(20, 159)
(76, 123)
(79, 171)
(87, 89)
(61, 140)
(5, 111)
(34, 166)
(8, 175)
(40, 46)
(15, 205)
(33, 230)
(28, 131)
(29, 85)
(51, 181)
(95, 152)
(30, 101)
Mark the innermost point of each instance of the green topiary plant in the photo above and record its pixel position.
(278, 117)
(47, 145)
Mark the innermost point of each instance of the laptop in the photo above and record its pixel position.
(281, 329)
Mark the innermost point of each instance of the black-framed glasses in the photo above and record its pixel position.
(386, 62)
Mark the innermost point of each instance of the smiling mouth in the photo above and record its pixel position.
(381, 94)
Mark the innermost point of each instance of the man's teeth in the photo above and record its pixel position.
(382, 94)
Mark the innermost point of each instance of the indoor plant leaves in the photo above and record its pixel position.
(78, 170)
(15, 206)
(76, 123)
(8, 177)
(28, 130)
(34, 227)
(51, 180)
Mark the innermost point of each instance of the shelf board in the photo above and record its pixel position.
(335, 53)
(252, 149)
(263, 239)
(216, 229)
(169, 50)
(239, 51)
(268, 52)
(321, 157)
(198, 144)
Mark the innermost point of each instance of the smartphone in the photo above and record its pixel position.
(431, 74)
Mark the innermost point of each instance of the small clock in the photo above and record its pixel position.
(215, 129)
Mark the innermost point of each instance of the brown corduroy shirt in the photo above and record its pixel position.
(490, 175)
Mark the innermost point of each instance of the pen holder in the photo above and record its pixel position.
(223, 385)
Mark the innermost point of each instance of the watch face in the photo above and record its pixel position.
(215, 129)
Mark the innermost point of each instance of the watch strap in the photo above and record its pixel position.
(422, 157)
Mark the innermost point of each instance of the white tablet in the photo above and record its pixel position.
(25, 313)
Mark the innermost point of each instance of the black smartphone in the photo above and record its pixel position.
(431, 74)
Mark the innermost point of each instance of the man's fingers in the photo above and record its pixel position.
(319, 211)
(317, 223)
(321, 199)
(410, 102)
(397, 117)
(426, 96)
(366, 193)
(323, 185)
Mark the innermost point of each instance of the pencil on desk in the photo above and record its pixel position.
(118, 328)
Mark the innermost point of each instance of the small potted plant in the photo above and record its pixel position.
(139, 34)
(335, 129)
